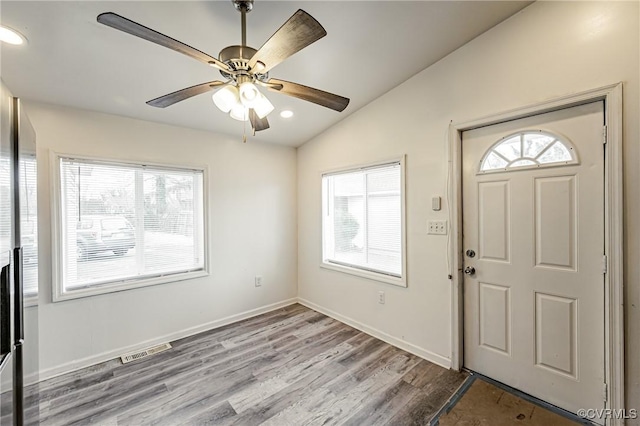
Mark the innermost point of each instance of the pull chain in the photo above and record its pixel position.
(244, 132)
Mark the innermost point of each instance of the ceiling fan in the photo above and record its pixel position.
(243, 67)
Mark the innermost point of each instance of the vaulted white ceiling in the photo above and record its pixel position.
(372, 46)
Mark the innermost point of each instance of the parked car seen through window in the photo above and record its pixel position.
(97, 234)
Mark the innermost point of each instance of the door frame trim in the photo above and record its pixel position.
(614, 235)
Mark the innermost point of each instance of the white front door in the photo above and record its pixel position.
(533, 216)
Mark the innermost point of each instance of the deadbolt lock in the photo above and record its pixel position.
(471, 253)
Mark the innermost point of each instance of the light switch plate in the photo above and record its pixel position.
(436, 204)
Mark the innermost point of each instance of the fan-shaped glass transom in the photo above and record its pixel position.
(528, 149)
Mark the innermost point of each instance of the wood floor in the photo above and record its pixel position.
(292, 366)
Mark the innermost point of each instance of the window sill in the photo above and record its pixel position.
(400, 282)
(60, 296)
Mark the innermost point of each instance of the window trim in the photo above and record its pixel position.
(383, 277)
(58, 293)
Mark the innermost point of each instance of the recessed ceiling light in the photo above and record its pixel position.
(11, 36)
(286, 114)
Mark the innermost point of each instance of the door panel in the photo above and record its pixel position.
(555, 222)
(494, 211)
(534, 309)
(556, 334)
(495, 317)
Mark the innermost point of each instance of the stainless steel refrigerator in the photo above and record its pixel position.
(17, 146)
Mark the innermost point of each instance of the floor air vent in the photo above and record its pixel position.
(134, 356)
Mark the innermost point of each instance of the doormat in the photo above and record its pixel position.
(481, 402)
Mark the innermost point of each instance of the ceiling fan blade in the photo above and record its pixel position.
(181, 95)
(256, 122)
(294, 35)
(128, 26)
(320, 97)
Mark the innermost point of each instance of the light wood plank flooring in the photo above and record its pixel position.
(292, 366)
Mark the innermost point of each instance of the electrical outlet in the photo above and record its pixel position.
(438, 227)
(381, 297)
(258, 281)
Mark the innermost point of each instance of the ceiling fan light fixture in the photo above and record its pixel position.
(239, 112)
(226, 98)
(249, 94)
(286, 113)
(262, 106)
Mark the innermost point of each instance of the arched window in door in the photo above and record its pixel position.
(528, 149)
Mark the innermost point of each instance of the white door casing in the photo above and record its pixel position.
(534, 310)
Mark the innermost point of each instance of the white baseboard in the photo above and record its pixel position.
(115, 353)
(406, 346)
(109, 355)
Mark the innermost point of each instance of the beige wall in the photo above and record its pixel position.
(548, 50)
(252, 231)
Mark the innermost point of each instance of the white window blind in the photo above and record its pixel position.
(29, 223)
(28, 172)
(123, 223)
(362, 219)
(5, 204)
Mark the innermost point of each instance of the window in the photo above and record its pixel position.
(121, 226)
(363, 222)
(29, 223)
(528, 150)
(28, 177)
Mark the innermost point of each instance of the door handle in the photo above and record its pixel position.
(469, 270)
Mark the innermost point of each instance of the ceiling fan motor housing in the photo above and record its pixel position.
(237, 57)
